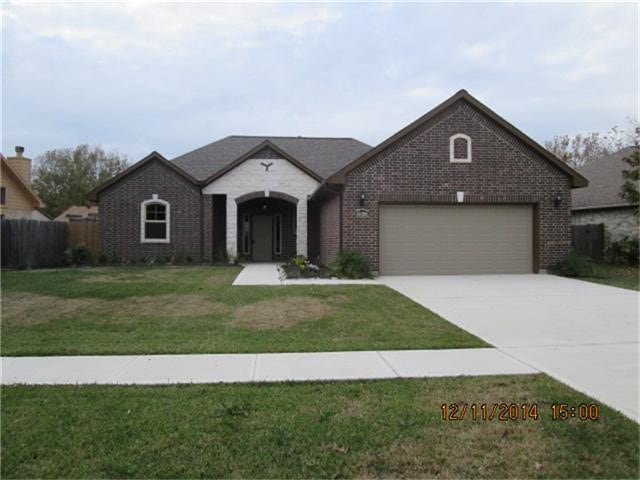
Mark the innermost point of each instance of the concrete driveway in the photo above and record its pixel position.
(581, 333)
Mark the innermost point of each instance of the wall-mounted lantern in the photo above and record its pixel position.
(362, 197)
(557, 201)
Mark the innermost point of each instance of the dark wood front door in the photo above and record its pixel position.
(262, 238)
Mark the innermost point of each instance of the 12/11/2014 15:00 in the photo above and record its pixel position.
(514, 411)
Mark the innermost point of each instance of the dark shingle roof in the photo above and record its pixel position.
(605, 180)
(323, 156)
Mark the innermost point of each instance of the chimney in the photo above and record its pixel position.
(21, 165)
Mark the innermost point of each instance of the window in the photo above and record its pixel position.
(245, 235)
(154, 221)
(277, 221)
(460, 148)
(3, 195)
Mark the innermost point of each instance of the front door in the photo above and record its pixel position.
(262, 238)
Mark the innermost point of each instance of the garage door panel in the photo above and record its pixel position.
(452, 239)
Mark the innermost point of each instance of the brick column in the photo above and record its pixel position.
(301, 229)
(232, 227)
(207, 228)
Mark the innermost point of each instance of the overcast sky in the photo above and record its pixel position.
(168, 77)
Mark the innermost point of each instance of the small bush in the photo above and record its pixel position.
(78, 255)
(350, 264)
(624, 251)
(301, 267)
(573, 265)
(160, 261)
(220, 256)
(103, 259)
(178, 259)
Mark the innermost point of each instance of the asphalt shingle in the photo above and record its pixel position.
(323, 156)
(605, 181)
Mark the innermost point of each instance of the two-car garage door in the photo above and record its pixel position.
(455, 239)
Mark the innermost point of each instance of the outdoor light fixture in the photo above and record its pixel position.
(363, 197)
(558, 200)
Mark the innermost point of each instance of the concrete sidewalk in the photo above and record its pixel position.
(261, 367)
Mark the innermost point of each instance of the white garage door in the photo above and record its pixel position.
(455, 239)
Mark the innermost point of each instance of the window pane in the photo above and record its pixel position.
(155, 230)
(460, 148)
(155, 211)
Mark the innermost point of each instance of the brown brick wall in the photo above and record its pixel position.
(119, 217)
(416, 168)
(329, 221)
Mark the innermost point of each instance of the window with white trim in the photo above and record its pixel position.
(155, 221)
(460, 148)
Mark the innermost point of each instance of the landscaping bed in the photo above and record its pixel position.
(389, 428)
(144, 310)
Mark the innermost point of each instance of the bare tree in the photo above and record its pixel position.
(581, 149)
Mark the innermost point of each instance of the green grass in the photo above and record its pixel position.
(622, 276)
(138, 310)
(390, 428)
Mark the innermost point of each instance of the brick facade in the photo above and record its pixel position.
(119, 217)
(329, 222)
(416, 169)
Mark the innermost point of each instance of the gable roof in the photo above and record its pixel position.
(577, 180)
(79, 211)
(322, 156)
(37, 203)
(153, 156)
(605, 182)
(261, 146)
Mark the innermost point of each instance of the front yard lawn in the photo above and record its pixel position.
(143, 310)
(622, 276)
(390, 428)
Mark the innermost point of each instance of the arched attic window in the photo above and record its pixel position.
(460, 148)
(155, 216)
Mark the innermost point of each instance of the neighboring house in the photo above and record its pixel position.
(600, 202)
(460, 190)
(79, 214)
(17, 200)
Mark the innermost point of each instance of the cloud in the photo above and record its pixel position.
(167, 76)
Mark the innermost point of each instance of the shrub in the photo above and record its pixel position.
(573, 265)
(350, 264)
(179, 258)
(220, 256)
(623, 251)
(301, 267)
(103, 259)
(78, 255)
(160, 261)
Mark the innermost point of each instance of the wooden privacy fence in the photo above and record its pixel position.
(588, 240)
(83, 233)
(34, 243)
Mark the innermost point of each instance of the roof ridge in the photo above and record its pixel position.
(293, 136)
